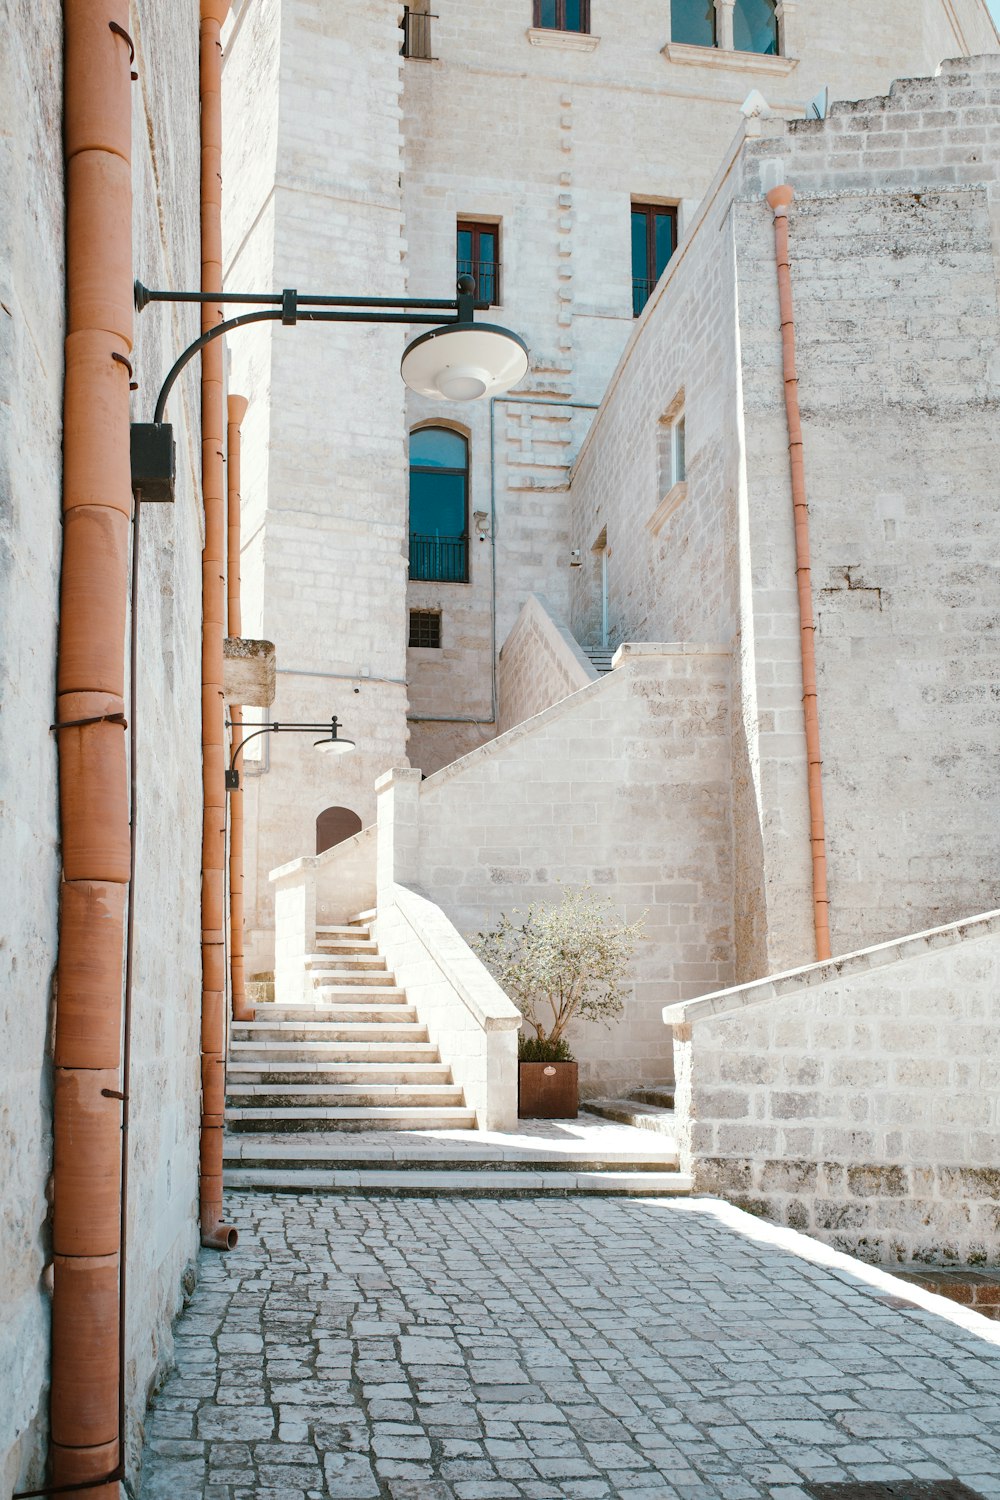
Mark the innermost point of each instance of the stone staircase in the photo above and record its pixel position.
(356, 1059)
(600, 657)
(646, 1109)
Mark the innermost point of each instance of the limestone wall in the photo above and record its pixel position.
(540, 662)
(165, 1079)
(859, 1100)
(313, 201)
(624, 787)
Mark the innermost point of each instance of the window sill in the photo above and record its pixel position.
(671, 500)
(718, 57)
(570, 41)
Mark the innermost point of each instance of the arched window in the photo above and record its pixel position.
(439, 505)
(755, 26)
(334, 825)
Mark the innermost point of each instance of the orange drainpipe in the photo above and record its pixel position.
(214, 1232)
(237, 406)
(779, 198)
(93, 782)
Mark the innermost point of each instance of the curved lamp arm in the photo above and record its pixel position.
(233, 776)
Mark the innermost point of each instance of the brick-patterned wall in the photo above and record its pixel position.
(540, 663)
(623, 787)
(859, 1100)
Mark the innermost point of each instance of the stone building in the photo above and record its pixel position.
(355, 168)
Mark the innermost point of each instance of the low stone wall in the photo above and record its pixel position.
(467, 1014)
(318, 890)
(540, 663)
(858, 1100)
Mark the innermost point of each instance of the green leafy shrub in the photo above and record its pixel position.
(557, 962)
(542, 1049)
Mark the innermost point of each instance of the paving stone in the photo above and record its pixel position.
(422, 1349)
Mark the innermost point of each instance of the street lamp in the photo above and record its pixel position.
(458, 359)
(331, 743)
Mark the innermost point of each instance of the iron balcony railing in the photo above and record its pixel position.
(642, 288)
(487, 275)
(439, 559)
(416, 27)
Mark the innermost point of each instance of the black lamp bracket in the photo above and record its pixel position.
(232, 774)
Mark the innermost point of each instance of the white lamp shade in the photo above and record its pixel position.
(334, 747)
(465, 362)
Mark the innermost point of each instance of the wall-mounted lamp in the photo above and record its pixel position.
(331, 743)
(457, 360)
(480, 520)
(575, 560)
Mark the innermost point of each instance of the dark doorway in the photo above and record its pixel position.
(334, 825)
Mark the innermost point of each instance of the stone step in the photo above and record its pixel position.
(420, 1153)
(662, 1096)
(354, 1095)
(632, 1112)
(396, 1012)
(387, 1117)
(344, 929)
(303, 1070)
(342, 960)
(328, 1031)
(327, 946)
(482, 1184)
(326, 1052)
(363, 918)
(378, 978)
(328, 994)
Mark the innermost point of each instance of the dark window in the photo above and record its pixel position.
(425, 628)
(439, 501)
(654, 240)
(755, 27)
(416, 29)
(563, 15)
(334, 825)
(693, 21)
(479, 256)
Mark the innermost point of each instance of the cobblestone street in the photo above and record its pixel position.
(478, 1349)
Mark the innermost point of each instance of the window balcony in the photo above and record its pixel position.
(439, 559)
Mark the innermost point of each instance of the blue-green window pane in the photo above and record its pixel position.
(664, 241)
(755, 27)
(693, 21)
(640, 252)
(547, 13)
(465, 244)
(574, 15)
(439, 448)
(437, 504)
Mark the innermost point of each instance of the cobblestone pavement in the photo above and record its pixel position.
(477, 1349)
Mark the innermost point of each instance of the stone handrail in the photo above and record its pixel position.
(468, 1016)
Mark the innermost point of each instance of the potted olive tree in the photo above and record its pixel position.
(558, 962)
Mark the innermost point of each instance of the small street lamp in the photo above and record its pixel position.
(331, 743)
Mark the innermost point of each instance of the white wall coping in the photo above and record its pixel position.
(296, 868)
(631, 650)
(564, 643)
(555, 711)
(814, 976)
(486, 1002)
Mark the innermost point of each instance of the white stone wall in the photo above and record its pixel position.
(540, 663)
(859, 1100)
(165, 1077)
(314, 202)
(624, 787)
(895, 282)
(554, 142)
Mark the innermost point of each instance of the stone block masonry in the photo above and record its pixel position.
(857, 1100)
(623, 787)
(540, 663)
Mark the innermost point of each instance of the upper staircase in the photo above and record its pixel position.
(357, 1058)
(600, 657)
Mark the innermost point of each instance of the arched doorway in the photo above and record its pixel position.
(334, 825)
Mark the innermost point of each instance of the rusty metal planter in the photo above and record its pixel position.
(547, 1091)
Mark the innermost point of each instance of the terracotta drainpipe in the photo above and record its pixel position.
(214, 1232)
(237, 406)
(93, 784)
(779, 198)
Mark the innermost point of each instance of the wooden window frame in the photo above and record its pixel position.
(651, 211)
(582, 30)
(477, 227)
